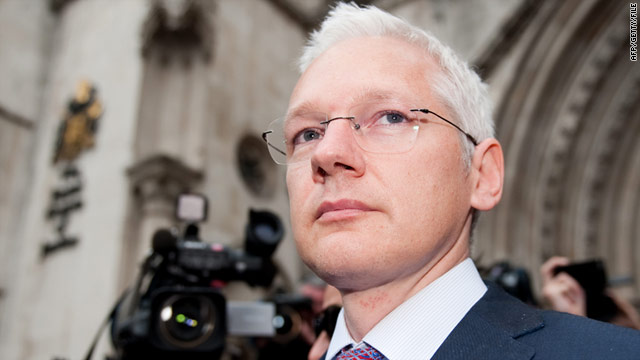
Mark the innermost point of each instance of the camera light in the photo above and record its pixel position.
(166, 313)
(191, 208)
(278, 321)
(182, 319)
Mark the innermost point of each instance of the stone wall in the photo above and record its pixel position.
(185, 98)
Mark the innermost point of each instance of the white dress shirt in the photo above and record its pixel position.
(416, 329)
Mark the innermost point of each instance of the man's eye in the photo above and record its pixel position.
(394, 118)
(307, 135)
(390, 118)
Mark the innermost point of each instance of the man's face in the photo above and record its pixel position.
(363, 219)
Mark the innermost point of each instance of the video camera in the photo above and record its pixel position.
(176, 308)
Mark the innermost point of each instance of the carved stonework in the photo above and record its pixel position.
(57, 6)
(309, 14)
(256, 168)
(156, 183)
(569, 126)
(178, 30)
(173, 103)
(622, 115)
(162, 177)
(508, 37)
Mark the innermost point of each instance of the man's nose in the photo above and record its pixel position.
(338, 151)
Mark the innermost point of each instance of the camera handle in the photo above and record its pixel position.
(145, 268)
(106, 322)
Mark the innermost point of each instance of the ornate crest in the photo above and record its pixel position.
(75, 134)
(78, 128)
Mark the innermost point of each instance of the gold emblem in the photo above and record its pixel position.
(78, 128)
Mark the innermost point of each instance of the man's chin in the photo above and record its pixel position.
(355, 275)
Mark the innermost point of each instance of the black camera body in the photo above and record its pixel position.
(176, 309)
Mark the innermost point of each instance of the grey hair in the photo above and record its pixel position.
(456, 86)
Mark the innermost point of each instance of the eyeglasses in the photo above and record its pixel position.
(378, 127)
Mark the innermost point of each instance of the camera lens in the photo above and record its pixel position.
(287, 324)
(186, 321)
(263, 233)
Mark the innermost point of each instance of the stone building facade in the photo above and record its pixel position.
(180, 90)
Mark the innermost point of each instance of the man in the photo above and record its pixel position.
(389, 148)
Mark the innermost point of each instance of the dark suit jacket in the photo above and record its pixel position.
(501, 327)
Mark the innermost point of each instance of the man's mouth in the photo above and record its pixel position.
(341, 209)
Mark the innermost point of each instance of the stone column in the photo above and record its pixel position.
(156, 183)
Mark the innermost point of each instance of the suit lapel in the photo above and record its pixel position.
(490, 329)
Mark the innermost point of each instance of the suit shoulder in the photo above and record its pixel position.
(553, 319)
(576, 337)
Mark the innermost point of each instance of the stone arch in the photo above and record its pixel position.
(569, 126)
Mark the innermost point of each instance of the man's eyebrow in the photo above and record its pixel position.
(359, 97)
(304, 108)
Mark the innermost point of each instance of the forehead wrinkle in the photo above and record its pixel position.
(366, 94)
(373, 94)
(304, 108)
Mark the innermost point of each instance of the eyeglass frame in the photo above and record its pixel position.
(469, 136)
(357, 126)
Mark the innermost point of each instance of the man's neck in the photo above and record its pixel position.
(364, 309)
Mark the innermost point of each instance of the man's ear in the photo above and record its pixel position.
(487, 168)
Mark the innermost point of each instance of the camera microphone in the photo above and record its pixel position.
(163, 241)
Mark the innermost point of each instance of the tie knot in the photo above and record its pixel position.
(361, 352)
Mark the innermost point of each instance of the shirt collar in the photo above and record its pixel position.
(340, 338)
(417, 328)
